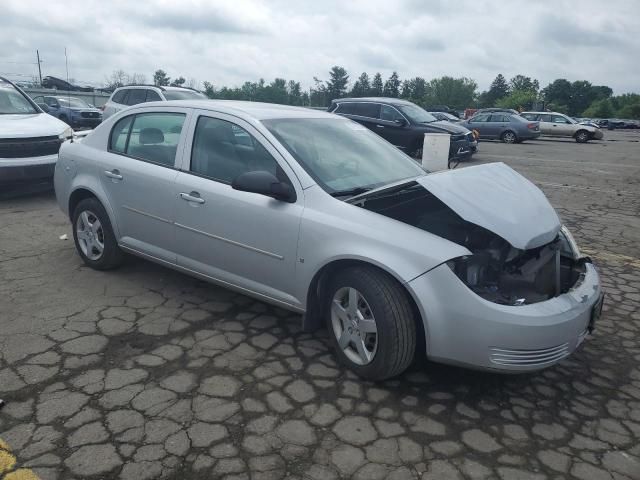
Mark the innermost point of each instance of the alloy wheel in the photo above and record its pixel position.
(354, 325)
(90, 235)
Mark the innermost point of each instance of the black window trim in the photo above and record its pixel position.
(224, 182)
(360, 103)
(126, 145)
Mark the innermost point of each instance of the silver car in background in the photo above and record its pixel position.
(504, 126)
(555, 124)
(313, 212)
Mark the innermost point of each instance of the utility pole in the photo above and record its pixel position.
(39, 69)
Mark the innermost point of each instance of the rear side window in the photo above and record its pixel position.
(499, 118)
(136, 96)
(545, 118)
(119, 135)
(152, 137)
(370, 110)
(529, 116)
(152, 96)
(119, 96)
(346, 108)
(483, 117)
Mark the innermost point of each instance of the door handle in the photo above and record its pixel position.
(115, 174)
(193, 197)
(379, 126)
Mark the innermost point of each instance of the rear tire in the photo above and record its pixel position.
(381, 304)
(509, 137)
(93, 236)
(582, 136)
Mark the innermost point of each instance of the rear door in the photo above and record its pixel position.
(138, 173)
(546, 127)
(240, 238)
(480, 123)
(497, 124)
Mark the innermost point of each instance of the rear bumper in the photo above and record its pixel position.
(529, 135)
(463, 328)
(14, 170)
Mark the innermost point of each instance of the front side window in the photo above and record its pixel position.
(223, 151)
(340, 154)
(390, 114)
(12, 101)
(152, 137)
(559, 119)
(483, 117)
(417, 114)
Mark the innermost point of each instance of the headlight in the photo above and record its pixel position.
(570, 241)
(66, 135)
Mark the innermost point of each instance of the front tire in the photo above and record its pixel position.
(93, 236)
(509, 137)
(371, 323)
(582, 136)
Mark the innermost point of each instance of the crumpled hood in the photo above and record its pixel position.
(496, 197)
(30, 125)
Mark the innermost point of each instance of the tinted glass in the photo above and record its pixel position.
(119, 134)
(370, 110)
(347, 108)
(499, 118)
(152, 96)
(119, 96)
(389, 114)
(12, 101)
(529, 116)
(340, 154)
(154, 137)
(183, 95)
(136, 96)
(222, 151)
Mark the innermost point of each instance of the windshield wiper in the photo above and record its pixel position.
(351, 192)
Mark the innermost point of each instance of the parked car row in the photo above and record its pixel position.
(71, 110)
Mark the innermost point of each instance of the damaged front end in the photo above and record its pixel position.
(502, 274)
(520, 254)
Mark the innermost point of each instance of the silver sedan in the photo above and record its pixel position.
(314, 213)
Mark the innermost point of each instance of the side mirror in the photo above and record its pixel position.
(264, 183)
(44, 107)
(401, 122)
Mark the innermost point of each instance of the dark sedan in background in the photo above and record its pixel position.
(504, 126)
(404, 124)
(71, 110)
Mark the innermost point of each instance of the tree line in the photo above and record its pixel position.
(577, 98)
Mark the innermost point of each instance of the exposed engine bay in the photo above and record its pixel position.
(496, 270)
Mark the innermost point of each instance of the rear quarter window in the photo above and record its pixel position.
(119, 96)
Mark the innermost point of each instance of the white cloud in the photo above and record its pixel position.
(228, 43)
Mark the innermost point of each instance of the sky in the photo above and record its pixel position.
(230, 42)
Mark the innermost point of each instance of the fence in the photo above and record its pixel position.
(94, 98)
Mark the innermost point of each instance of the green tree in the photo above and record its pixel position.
(337, 84)
(361, 86)
(392, 86)
(160, 78)
(209, 89)
(518, 100)
(294, 92)
(178, 82)
(499, 89)
(600, 109)
(523, 83)
(376, 85)
(456, 93)
(318, 94)
(557, 93)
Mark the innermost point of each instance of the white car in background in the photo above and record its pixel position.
(556, 124)
(29, 138)
(124, 97)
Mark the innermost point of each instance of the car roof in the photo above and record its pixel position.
(256, 110)
(548, 113)
(387, 100)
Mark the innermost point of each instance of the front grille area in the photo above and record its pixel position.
(528, 358)
(29, 147)
(89, 114)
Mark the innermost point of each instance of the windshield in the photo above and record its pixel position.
(183, 95)
(417, 114)
(342, 155)
(12, 101)
(72, 102)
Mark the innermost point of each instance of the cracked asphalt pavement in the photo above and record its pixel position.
(145, 373)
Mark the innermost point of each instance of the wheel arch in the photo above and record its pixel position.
(83, 192)
(314, 314)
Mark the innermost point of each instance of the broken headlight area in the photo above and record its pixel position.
(510, 276)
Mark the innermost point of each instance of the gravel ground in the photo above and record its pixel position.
(145, 373)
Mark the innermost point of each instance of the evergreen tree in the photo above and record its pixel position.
(337, 84)
(392, 86)
(376, 85)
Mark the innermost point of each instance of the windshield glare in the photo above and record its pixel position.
(342, 155)
(12, 101)
(183, 95)
(417, 114)
(72, 102)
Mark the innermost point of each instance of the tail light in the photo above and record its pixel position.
(532, 126)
